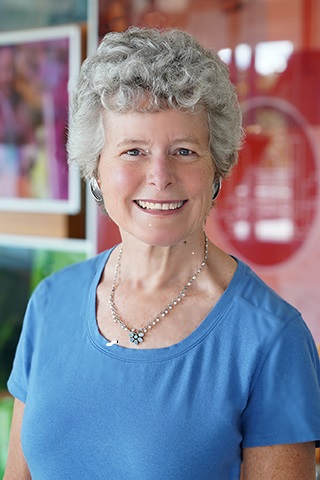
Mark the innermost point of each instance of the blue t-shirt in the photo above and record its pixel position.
(247, 376)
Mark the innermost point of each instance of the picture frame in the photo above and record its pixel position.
(38, 70)
(24, 263)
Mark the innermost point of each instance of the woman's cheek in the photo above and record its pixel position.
(113, 177)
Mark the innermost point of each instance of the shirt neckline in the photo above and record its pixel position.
(156, 354)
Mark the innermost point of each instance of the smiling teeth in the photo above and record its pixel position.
(159, 206)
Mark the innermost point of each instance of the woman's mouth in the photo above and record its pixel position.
(163, 206)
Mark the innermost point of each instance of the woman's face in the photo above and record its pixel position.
(156, 174)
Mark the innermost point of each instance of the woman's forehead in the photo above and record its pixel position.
(165, 127)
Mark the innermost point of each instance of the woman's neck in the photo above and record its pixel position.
(151, 267)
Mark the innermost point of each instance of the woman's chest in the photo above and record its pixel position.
(178, 420)
(161, 324)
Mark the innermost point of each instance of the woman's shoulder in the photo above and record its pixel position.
(260, 324)
(258, 301)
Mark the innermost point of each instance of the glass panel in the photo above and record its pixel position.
(268, 211)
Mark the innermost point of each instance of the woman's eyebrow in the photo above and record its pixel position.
(132, 141)
(188, 139)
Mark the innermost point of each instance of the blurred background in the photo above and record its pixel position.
(268, 211)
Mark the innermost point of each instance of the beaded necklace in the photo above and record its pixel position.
(137, 335)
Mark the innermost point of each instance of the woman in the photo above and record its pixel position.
(163, 358)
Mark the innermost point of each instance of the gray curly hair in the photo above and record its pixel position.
(169, 69)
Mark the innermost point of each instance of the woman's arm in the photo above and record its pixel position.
(280, 462)
(17, 468)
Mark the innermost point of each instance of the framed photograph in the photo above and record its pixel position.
(24, 262)
(269, 207)
(38, 69)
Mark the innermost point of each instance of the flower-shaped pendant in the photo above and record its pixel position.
(136, 337)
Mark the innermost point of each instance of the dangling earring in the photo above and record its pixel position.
(216, 187)
(95, 190)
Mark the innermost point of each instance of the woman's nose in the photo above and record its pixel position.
(161, 172)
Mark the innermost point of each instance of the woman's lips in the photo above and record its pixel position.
(160, 206)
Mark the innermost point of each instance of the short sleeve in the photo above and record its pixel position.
(19, 378)
(284, 402)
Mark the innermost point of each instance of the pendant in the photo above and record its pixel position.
(136, 337)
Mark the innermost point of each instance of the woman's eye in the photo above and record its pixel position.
(134, 152)
(184, 152)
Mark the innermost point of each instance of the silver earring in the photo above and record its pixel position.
(216, 187)
(95, 190)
